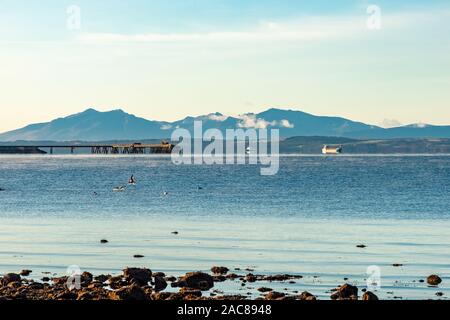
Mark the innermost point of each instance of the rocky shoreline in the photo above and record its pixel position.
(143, 284)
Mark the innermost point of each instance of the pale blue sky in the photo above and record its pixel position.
(168, 59)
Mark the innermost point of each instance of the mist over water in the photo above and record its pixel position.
(307, 219)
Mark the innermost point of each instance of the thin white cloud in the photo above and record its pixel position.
(390, 123)
(248, 121)
(166, 127)
(251, 121)
(217, 117)
(420, 125)
(286, 124)
(306, 29)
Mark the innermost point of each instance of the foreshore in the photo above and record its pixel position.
(143, 284)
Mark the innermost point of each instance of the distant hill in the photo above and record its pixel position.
(410, 131)
(92, 125)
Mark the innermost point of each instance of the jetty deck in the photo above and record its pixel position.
(131, 148)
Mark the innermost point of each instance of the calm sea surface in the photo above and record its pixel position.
(305, 220)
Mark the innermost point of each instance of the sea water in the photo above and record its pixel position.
(306, 220)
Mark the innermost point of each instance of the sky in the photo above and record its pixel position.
(381, 62)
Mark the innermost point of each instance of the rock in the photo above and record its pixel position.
(274, 295)
(119, 282)
(104, 241)
(167, 296)
(264, 289)
(14, 284)
(86, 278)
(101, 278)
(67, 295)
(25, 272)
(148, 290)
(369, 296)
(434, 280)
(190, 292)
(439, 294)
(10, 277)
(345, 292)
(95, 285)
(133, 292)
(36, 286)
(219, 278)
(306, 296)
(85, 296)
(289, 298)
(45, 279)
(60, 280)
(140, 276)
(250, 277)
(219, 270)
(280, 277)
(197, 280)
(159, 274)
(160, 284)
(171, 279)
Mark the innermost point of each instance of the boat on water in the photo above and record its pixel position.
(331, 149)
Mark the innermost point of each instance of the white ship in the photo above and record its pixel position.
(331, 149)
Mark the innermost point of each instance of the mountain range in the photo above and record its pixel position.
(92, 125)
